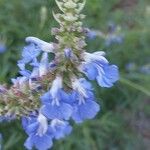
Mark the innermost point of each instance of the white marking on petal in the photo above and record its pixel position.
(78, 87)
(99, 53)
(43, 125)
(56, 122)
(43, 67)
(35, 72)
(56, 86)
(100, 70)
(99, 56)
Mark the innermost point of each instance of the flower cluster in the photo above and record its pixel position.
(54, 84)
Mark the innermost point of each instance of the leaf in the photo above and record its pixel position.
(59, 4)
(56, 18)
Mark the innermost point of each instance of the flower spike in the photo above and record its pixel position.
(50, 92)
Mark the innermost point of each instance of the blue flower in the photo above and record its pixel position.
(60, 128)
(35, 47)
(38, 68)
(145, 69)
(40, 134)
(113, 36)
(113, 39)
(30, 52)
(91, 34)
(97, 67)
(84, 104)
(84, 111)
(53, 104)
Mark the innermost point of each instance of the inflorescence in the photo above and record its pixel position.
(54, 83)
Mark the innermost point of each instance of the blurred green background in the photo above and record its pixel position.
(124, 120)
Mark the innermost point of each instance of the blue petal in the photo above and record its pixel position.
(29, 124)
(25, 73)
(110, 76)
(21, 65)
(30, 52)
(29, 143)
(66, 97)
(86, 85)
(104, 82)
(72, 98)
(42, 143)
(90, 71)
(88, 110)
(24, 122)
(91, 35)
(90, 95)
(112, 73)
(61, 131)
(32, 128)
(46, 98)
(63, 111)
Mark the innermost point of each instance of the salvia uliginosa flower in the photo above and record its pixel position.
(96, 66)
(39, 132)
(52, 92)
(53, 104)
(84, 104)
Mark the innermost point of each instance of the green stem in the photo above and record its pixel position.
(135, 86)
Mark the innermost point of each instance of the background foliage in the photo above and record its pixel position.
(123, 121)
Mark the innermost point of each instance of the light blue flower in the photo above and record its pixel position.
(84, 104)
(30, 52)
(96, 66)
(145, 69)
(113, 36)
(84, 111)
(53, 104)
(113, 39)
(35, 47)
(60, 128)
(91, 34)
(40, 134)
(38, 68)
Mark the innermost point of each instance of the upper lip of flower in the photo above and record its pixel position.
(56, 86)
(88, 57)
(45, 46)
(43, 125)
